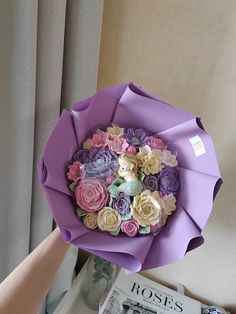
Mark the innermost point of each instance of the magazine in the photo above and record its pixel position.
(135, 294)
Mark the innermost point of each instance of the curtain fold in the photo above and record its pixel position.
(17, 111)
(49, 65)
(82, 47)
(49, 54)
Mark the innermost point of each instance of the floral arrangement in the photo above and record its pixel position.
(124, 181)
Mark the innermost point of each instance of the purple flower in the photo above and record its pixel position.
(169, 180)
(101, 153)
(136, 137)
(82, 156)
(102, 163)
(122, 203)
(151, 183)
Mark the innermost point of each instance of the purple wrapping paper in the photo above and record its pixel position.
(200, 179)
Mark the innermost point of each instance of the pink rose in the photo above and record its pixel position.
(156, 143)
(75, 172)
(154, 228)
(130, 227)
(132, 150)
(118, 145)
(110, 179)
(91, 194)
(100, 139)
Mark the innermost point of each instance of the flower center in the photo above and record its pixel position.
(99, 161)
(147, 209)
(135, 140)
(110, 220)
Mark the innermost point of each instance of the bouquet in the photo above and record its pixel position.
(130, 178)
(124, 181)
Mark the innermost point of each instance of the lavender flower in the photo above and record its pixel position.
(151, 183)
(82, 156)
(122, 203)
(136, 137)
(169, 180)
(101, 153)
(102, 163)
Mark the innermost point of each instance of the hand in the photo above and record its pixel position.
(25, 289)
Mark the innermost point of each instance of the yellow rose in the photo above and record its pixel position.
(108, 219)
(149, 160)
(87, 144)
(90, 221)
(146, 208)
(115, 132)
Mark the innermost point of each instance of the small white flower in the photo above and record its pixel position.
(167, 158)
(168, 203)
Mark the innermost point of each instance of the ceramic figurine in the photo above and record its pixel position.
(130, 184)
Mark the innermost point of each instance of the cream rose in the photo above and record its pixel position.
(90, 221)
(168, 159)
(115, 132)
(108, 219)
(146, 208)
(87, 144)
(149, 160)
(167, 203)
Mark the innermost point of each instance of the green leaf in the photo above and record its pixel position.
(115, 233)
(72, 186)
(118, 182)
(144, 230)
(126, 216)
(81, 212)
(141, 176)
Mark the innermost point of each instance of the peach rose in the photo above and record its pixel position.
(76, 172)
(90, 221)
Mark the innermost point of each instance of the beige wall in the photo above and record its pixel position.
(184, 51)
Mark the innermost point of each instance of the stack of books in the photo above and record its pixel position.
(132, 293)
(136, 294)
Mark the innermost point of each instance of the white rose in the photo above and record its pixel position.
(108, 219)
(146, 208)
(149, 160)
(167, 158)
(168, 203)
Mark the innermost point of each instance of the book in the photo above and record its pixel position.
(134, 293)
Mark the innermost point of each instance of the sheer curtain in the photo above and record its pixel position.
(49, 53)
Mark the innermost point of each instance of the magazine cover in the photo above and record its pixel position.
(136, 294)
